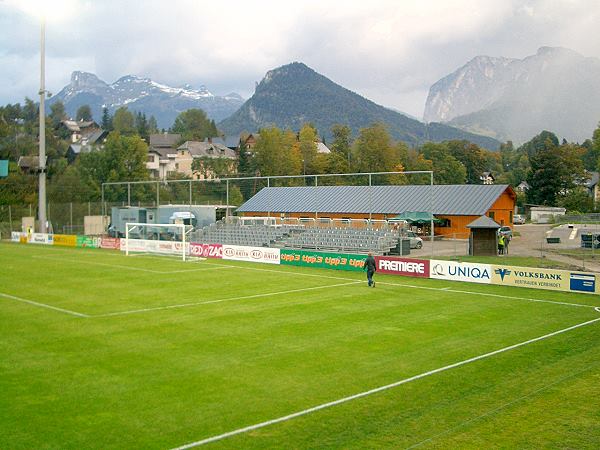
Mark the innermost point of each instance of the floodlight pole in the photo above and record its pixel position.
(432, 208)
(42, 149)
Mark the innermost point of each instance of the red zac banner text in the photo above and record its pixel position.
(403, 266)
(206, 250)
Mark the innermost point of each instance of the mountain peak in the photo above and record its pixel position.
(513, 99)
(82, 80)
(292, 95)
(139, 94)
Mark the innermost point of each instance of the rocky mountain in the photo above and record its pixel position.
(293, 95)
(514, 99)
(143, 95)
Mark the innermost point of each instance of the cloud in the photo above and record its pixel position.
(390, 51)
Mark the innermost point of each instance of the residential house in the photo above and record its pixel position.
(523, 186)
(592, 185)
(487, 178)
(231, 142)
(79, 129)
(30, 164)
(162, 152)
(207, 150)
(87, 144)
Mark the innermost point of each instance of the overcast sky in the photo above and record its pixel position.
(390, 51)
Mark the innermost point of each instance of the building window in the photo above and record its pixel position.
(492, 215)
(510, 217)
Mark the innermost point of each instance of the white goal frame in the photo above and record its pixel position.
(183, 231)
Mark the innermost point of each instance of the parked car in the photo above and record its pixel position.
(505, 231)
(415, 241)
(518, 219)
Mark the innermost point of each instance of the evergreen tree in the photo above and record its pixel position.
(106, 120)
(141, 125)
(555, 170)
(152, 125)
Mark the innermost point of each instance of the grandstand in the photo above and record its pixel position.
(359, 236)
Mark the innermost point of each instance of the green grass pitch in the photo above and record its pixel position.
(99, 350)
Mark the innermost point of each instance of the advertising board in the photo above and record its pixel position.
(87, 241)
(206, 250)
(553, 279)
(338, 261)
(65, 240)
(461, 271)
(109, 243)
(407, 267)
(40, 238)
(15, 236)
(252, 254)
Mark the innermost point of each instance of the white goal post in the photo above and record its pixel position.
(157, 238)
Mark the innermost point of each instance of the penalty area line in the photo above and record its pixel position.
(43, 305)
(376, 390)
(230, 299)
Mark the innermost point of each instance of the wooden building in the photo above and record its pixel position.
(455, 205)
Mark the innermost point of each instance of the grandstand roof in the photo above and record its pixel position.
(464, 199)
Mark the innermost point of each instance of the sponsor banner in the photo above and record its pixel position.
(252, 254)
(558, 280)
(584, 282)
(460, 271)
(87, 241)
(40, 238)
(15, 236)
(66, 240)
(338, 261)
(206, 250)
(153, 246)
(109, 243)
(403, 266)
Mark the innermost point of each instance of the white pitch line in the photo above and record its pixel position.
(245, 297)
(412, 286)
(501, 407)
(376, 390)
(43, 305)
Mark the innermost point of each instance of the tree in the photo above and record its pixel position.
(152, 125)
(577, 200)
(277, 153)
(123, 121)
(471, 156)
(106, 120)
(84, 112)
(555, 170)
(141, 126)
(193, 125)
(373, 151)
(341, 148)
(57, 114)
(122, 159)
(446, 168)
(308, 149)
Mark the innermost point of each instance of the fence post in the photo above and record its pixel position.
(10, 219)
(71, 216)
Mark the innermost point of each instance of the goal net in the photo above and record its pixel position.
(164, 239)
